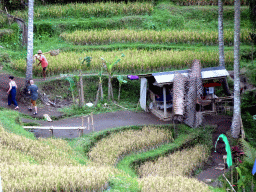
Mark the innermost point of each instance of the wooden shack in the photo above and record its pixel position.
(159, 95)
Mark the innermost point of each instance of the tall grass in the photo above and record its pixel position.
(95, 37)
(135, 61)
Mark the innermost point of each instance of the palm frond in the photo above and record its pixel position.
(250, 152)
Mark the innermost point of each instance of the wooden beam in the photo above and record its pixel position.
(51, 127)
(165, 109)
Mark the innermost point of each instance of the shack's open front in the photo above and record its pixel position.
(182, 94)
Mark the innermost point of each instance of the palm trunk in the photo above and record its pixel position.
(221, 46)
(221, 39)
(30, 42)
(236, 124)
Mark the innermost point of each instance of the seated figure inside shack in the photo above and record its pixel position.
(185, 95)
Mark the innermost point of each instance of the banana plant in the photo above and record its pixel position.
(72, 86)
(87, 59)
(121, 81)
(100, 89)
(109, 69)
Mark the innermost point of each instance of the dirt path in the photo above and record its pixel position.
(210, 173)
(101, 122)
(23, 103)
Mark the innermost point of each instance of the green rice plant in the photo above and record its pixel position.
(87, 10)
(109, 150)
(95, 37)
(180, 163)
(136, 61)
(172, 183)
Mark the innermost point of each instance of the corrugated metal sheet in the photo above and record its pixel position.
(213, 72)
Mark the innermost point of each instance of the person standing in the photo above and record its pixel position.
(43, 61)
(33, 90)
(12, 92)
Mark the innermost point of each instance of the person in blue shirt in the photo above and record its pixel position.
(33, 91)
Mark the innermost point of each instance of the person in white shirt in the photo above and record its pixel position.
(12, 92)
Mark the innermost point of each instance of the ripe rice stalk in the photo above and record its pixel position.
(136, 61)
(89, 37)
(179, 163)
(40, 151)
(86, 10)
(172, 183)
(54, 178)
(22, 170)
(108, 150)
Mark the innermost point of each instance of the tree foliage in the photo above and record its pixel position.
(252, 6)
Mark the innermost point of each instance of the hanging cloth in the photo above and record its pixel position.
(227, 147)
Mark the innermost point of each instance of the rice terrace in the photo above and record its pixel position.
(128, 96)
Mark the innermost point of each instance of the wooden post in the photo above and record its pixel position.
(88, 123)
(80, 131)
(164, 94)
(92, 121)
(51, 130)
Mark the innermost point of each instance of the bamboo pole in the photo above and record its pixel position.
(88, 119)
(92, 121)
(232, 175)
(242, 128)
(229, 183)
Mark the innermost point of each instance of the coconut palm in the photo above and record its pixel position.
(220, 29)
(221, 45)
(30, 41)
(236, 122)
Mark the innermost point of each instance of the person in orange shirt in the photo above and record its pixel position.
(43, 61)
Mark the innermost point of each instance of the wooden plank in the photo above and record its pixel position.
(51, 127)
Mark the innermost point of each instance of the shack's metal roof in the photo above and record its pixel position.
(207, 73)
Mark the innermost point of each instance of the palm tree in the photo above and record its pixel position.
(220, 29)
(30, 41)
(221, 45)
(236, 122)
